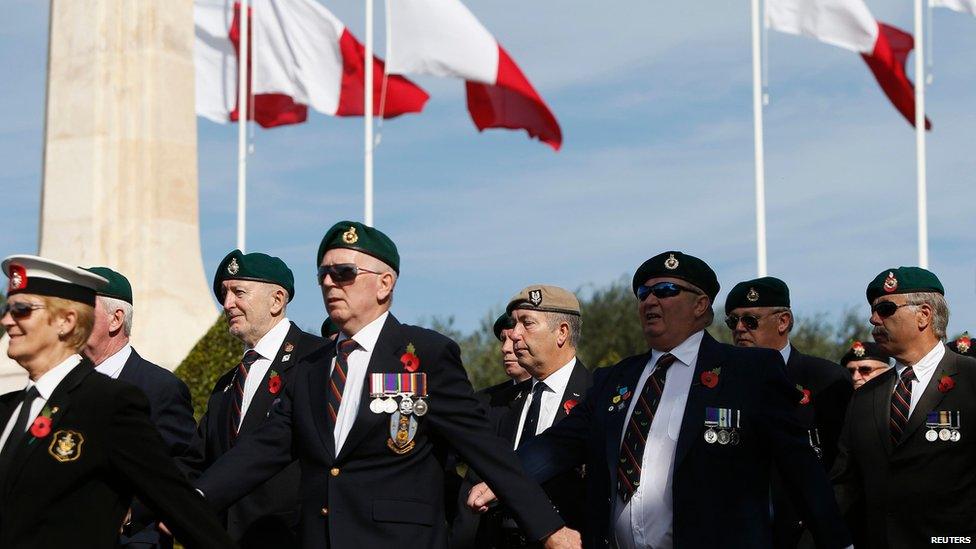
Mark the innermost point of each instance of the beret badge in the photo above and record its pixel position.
(233, 267)
(890, 283)
(858, 349)
(350, 236)
(753, 295)
(963, 344)
(671, 263)
(535, 297)
(18, 277)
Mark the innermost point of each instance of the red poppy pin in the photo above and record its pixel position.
(806, 395)
(709, 378)
(946, 384)
(274, 382)
(569, 405)
(409, 359)
(42, 424)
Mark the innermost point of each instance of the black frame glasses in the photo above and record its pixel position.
(19, 309)
(887, 308)
(663, 290)
(342, 273)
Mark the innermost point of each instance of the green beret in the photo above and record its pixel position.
(503, 322)
(681, 266)
(904, 280)
(767, 291)
(356, 236)
(118, 285)
(864, 351)
(254, 266)
(329, 328)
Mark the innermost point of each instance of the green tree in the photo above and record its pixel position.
(215, 353)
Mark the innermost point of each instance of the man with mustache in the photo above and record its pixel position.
(908, 446)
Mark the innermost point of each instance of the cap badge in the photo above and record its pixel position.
(350, 236)
(671, 263)
(890, 283)
(858, 349)
(535, 297)
(233, 267)
(753, 295)
(18, 278)
(963, 343)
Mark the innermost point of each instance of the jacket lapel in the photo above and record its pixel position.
(628, 378)
(882, 406)
(257, 410)
(575, 389)
(931, 396)
(508, 424)
(130, 371)
(710, 356)
(318, 387)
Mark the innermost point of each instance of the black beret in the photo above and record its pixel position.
(329, 328)
(254, 266)
(362, 238)
(904, 280)
(767, 291)
(864, 351)
(678, 265)
(118, 285)
(503, 322)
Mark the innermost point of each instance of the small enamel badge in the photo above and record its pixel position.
(233, 267)
(890, 283)
(289, 347)
(671, 263)
(753, 295)
(963, 344)
(350, 236)
(18, 278)
(535, 297)
(66, 446)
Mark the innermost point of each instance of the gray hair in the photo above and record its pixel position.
(940, 310)
(110, 304)
(575, 323)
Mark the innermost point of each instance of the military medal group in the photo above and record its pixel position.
(404, 397)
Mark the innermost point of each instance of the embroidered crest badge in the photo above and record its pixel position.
(233, 267)
(18, 278)
(66, 446)
(753, 295)
(350, 236)
(535, 297)
(671, 263)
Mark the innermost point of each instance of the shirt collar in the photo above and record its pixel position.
(53, 377)
(927, 362)
(686, 352)
(113, 364)
(270, 342)
(558, 380)
(785, 351)
(367, 336)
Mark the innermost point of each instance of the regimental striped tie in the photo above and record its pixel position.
(337, 380)
(901, 404)
(632, 448)
(237, 404)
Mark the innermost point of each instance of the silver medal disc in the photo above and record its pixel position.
(955, 436)
(734, 438)
(931, 435)
(420, 408)
(723, 437)
(376, 406)
(390, 405)
(945, 434)
(406, 406)
(710, 436)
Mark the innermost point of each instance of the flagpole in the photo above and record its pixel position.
(923, 222)
(242, 111)
(758, 135)
(368, 119)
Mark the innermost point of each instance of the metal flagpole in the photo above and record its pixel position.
(242, 111)
(368, 119)
(923, 222)
(758, 134)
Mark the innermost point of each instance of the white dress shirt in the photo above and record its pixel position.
(267, 347)
(356, 364)
(924, 369)
(647, 519)
(112, 366)
(785, 351)
(552, 397)
(46, 385)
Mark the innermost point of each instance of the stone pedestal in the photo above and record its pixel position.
(120, 164)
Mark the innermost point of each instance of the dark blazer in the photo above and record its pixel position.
(830, 389)
(720, 492)
(171, 412)
(917, 489)
(268, 515)
(367, 495)
(79, 497)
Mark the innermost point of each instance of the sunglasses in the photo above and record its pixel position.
(662, 290)
(864, 370)
(751, 322)
(342, 273)
(19, 309)
(887, 308)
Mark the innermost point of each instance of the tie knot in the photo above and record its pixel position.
(347, 346)
(908, 375)
(250, 357)
(666, 360)
(540, 386)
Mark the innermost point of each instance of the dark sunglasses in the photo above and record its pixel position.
(863, 370)
(751, 322)
(342, 273)
(662, 290)
(18, 309)
(887, 308)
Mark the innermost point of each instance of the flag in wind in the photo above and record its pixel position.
(443, 38)
(301, 56)
(965, 6)
(849, 24)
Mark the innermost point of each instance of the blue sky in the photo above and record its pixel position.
(654, 99)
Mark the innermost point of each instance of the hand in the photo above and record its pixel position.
(564, 537)
(127, 521)
(164, 529)
(480, 497)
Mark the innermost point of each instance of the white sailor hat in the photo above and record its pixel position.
(30, 274)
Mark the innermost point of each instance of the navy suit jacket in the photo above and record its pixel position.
(720, 492)
(366, 495)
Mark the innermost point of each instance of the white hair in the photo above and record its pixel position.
(110, 304)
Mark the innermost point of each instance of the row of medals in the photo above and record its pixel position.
(943, 434)
(408, 405)
(722, 436)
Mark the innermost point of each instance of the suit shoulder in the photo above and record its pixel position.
(426, 335)
(826, 370)
(159, 375)
(309, 343)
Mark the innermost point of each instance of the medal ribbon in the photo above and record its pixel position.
(396, 383)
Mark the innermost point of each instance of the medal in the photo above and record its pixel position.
(389, 405)
(955, 436)
(406, 405)
(723, 437)
(945, 434)
(734, 438)
(420, 408)
(931, 435)
(376, 406)
(711, 436)
(711, 421)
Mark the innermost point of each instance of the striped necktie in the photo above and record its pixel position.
(237, 396)
(901, 402)
(632, 448)
(337, 380)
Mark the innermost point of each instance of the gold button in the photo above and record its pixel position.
(324, 511)
(334, 472)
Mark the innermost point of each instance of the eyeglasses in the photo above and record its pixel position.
(864, 370)
(751, 322)
(887, 308)
(662, 290)
(19, 309)
(342, 273)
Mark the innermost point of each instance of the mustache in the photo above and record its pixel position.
(879, 330)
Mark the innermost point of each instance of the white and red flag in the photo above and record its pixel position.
(301, 56)
(443, 38)
(849, 24)
(965, 6)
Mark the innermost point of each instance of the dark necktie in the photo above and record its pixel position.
(337, 380)
(632, 448)
(237, 395)
(18, 432)
(532, 417)
(901, 401)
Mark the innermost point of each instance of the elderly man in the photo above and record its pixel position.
(255, 290)
(372, 417)
(865, 361)
(906, 459)
(170, 408)
(678, 442)
(502, 328)
(759, 315)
